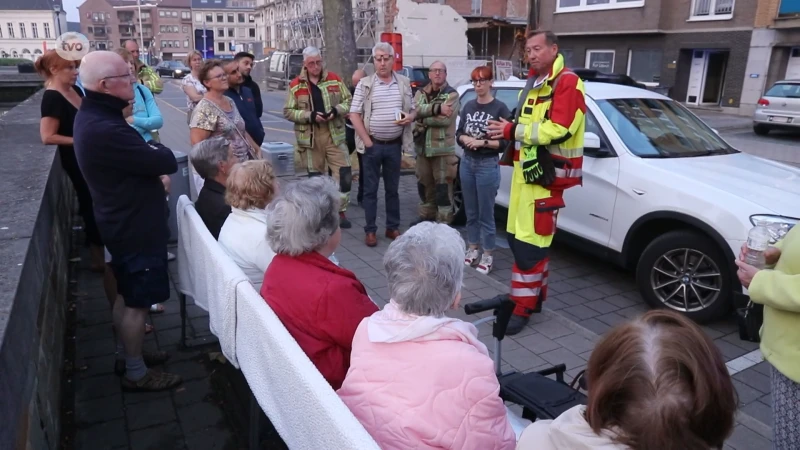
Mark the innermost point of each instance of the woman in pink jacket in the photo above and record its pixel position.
(418, 379)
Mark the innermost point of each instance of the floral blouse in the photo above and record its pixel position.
(208, 116)
(190, 80)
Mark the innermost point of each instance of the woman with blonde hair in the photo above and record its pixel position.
(251, 186)
(191, 84)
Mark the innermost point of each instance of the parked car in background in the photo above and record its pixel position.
(282, 67)
(174, 69)
(779, 108)
(664, 195)
(418, 76)
(602, 77)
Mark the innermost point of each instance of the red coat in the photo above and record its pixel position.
(321, 304)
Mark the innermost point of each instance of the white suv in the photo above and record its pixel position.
(665, 195)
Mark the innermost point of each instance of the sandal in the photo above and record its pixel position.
(152, 381)
(150, 359)
(156, 308)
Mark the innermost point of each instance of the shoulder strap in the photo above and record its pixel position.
(522, 96)
(141, 92)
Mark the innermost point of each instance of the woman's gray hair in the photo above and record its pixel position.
(304, 216)
(384, 47)
(425, 269)
(207, 154)
(310, 52)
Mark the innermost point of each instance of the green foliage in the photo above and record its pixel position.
(14, 61)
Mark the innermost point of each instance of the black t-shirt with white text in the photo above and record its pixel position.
(473, 121)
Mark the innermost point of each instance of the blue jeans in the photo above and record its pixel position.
(381, 160)
(480, 179)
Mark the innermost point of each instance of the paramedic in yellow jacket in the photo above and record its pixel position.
(547, 156)
(317, 103)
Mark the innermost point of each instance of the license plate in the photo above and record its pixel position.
(779, 119)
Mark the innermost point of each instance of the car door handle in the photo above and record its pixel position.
(638, 191)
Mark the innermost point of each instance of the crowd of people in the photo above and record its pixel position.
(414, 377)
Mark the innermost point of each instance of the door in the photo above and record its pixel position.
(590, 208)
(793, 67)
(697, 73)
(716, 63)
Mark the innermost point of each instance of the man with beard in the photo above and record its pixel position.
(245, 61)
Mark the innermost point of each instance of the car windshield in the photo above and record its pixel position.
(784, 90)
(420, 75)
(654, 128)
(175, 64)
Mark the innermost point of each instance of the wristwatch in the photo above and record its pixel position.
(485, 143)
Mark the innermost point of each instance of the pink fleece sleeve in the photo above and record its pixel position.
(486, 425)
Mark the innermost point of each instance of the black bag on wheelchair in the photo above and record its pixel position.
(540, 397)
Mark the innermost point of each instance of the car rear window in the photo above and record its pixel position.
(784, 90)
(420, 75)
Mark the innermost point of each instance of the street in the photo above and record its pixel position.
(587, 296)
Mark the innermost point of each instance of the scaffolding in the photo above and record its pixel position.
(299, 24)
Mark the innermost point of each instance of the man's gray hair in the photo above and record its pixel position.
(304, 216)
(384, 47)
(310, 52)
(425, 269)
(207, 154)
(97, 65)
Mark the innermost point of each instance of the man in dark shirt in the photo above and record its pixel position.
(213, 159)
(245, 61)
(123, 174)
(245, 103)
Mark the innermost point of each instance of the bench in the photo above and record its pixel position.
(285, 384)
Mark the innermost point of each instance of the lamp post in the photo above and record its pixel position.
(141, 36)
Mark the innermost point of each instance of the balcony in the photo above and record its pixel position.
(789, 9)
(99, 19)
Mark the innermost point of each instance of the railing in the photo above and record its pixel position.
(719, 7)
(724, 7)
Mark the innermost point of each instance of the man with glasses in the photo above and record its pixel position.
(382, 113)
(123, 173)
(245, 102)
(145, 74)
(435, 141)
(318, 102)
(547, 158)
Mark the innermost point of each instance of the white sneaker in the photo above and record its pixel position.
(471, 257)
(486, 264)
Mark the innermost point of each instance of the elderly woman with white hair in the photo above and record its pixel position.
(251, 186)
(319, 303)
(417, 378)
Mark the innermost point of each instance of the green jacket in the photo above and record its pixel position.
(150, 78)
(435, 134)
(299, 105)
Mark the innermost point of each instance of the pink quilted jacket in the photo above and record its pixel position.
(425, 383)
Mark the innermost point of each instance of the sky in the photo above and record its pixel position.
(71, 7)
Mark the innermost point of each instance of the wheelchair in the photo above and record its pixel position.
(539, 396)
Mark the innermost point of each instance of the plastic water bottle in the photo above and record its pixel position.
(757, 244)
(334, 259)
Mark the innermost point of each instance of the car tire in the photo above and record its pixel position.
(761, 129)
(459, 213)
(704, 256)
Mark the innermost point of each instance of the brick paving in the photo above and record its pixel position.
(587, 298)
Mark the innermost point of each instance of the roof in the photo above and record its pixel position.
(74, 26)
(30, 5)
(595, 90)
(175, 3)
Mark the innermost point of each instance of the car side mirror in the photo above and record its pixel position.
(594, 145)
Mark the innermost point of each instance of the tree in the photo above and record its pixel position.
(340, 38)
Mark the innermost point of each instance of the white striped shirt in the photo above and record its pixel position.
(386, 101)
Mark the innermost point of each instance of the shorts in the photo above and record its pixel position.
(142, 279)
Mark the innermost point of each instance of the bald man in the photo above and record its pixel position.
(351, 134)
(146, 75)
(123, 173)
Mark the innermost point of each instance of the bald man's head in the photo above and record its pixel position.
(108, 73)
(133, 47)
(357, 76)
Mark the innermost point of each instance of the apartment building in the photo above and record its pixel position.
(233, 23)
(495, 27)
(774, 49)
(173, 26)
(696, 49)
(29, 27)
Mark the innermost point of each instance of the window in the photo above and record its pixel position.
(251, 32)
(645, 66)
(185, 43)
(161, 13)
(221, 46)
(185, 29)
(1, 35)
(163, 29)
(34, 31)
(173, 13)
(784, 90)
(220, 18)
(198, 18)
(186, 15)
(47, 31)
(240, 17)
(10, 30)
(251, 18)
(231, 32)
(564, 6)
(209, 18)
(476, 7)
(220, 32)
(600, 60)
(569, 57)
(22, 33)
(145, 15)
(711, 10)
(163, 44)
(230, 17)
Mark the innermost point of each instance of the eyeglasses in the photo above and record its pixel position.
(435, 71)
(480, 81)
(127, 75)
(314, 63)
(383, 58)
(221, 76)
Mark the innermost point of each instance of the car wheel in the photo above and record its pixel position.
(459, 214)
(761, 129)
(685, 271)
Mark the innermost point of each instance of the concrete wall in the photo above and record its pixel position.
(35, 231)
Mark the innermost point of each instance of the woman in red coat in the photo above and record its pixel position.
(320, 303)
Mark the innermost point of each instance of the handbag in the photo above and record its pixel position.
(750, 319)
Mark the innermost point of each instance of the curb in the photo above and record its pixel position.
(741, 417)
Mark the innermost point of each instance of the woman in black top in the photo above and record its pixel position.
(60, 104)
(478, 171)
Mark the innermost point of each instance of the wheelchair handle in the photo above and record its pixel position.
(483, 305)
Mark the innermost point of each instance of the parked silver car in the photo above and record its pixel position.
(779, 108)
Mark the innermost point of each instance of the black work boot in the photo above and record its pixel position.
(344, 222)
(516, 324)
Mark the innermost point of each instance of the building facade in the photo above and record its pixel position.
(29, 27)
(173, 20)
(774, 49)
(232, 21)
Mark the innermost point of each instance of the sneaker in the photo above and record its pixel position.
(485, 265)
(471, 257)
(343, 222)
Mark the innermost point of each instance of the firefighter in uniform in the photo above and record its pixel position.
(547, 157)
(318, 102)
